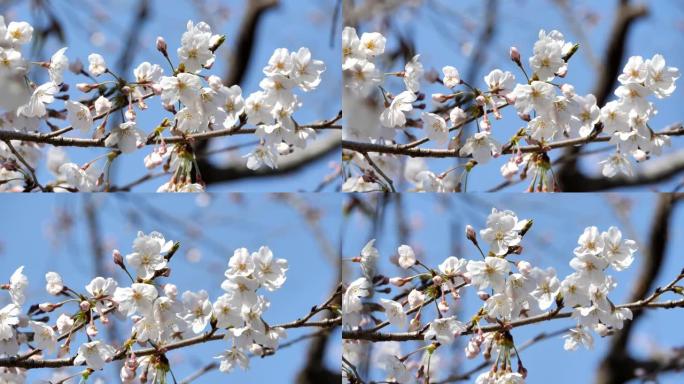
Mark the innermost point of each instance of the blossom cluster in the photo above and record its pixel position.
(199, 103)
(160, 315)
(550, 111)
(511, 289)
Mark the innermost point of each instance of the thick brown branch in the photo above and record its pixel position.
(404, 336)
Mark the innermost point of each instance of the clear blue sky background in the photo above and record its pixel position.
(558, 221)
(38, 238)
(440, 31)
(292, 25)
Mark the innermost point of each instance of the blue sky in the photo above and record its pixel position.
(209, 229)
(436, 222)
(290, 25)
(441, 33)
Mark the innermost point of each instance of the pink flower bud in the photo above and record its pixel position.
(438, 280)
(85, 305)
(470, 234)
(515, 55)
(91, 330)
(524, 116)
(397, 281)
(118, 259)
(563, 71)
(84, 87)
(170, 290)
(568, 90)
(46, 307)
(130, 115)
(162, 46)
(524, 267)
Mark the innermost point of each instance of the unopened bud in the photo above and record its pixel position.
(85, 306)
(85, 87)
(130, 115)
(441, 98)
(118, 258)
(91, 330)
(46, 307)
(563, 71)
(470, 234)
(524, 116)
(438, 280)
(170, 290)
(162, 46)
(524, 267)
(397, 281)
(414, 324)
(568, 90)
(515, 55)
(215, 82)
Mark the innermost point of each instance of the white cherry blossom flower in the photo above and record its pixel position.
(661, 78)
(451, 76)
(394, 115)
(269, 271)
(407, 258)
(58, 64)
(618, 252)
(233, 105)
(195, 50)
(415, 298)
(547, 288)
(19, 32)
(307, 72)
(9, 317)
(44, 94)
(44, 336)
(227, 311)
(490, 272)
(590, 268)
(634, 72)
(616, 164)
(18, 285)
(198, 309)
(351, 300)
(138, 298)
(146, 257)
(502, 232)
(184, 87)
(435, 126)
(576, 337)
(500, 82)
(147, 73)
(444, 330)
(126, 137)
(457, 117)
(481, 146)
(499, 306)
(280, 63)
(372, 44)
(96, 64)
(102, 105)
(79, 115)
(413, 72)
(54, 283)
(538, 96)
(231, 358)
(94, 354)
(64, 324)
(394, 312)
